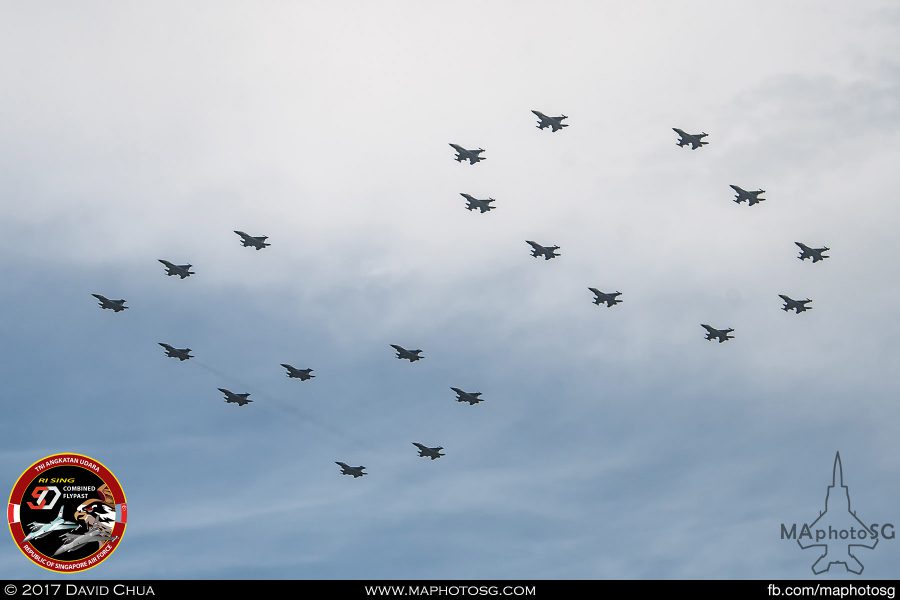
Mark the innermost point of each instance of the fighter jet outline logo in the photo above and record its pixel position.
(837, 531)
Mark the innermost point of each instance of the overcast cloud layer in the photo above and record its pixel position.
(612, 443)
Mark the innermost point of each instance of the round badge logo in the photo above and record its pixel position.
(67, 513)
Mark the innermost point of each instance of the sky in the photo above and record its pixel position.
(612, 443)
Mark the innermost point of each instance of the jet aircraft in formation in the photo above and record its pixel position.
(473, 156)
(258, 242)
(474, 203)
(113, 305)
(471, 397)
(180, 270)
(750, 197)
(547, 252)
(554, 123)
(301, 374)
(232, 398)
(410, 355)
(426, 452)
(816, 254)
(717, 334)
(348, 470)
(611, 298)
(179, 353)
(694, 140)
(797, 306)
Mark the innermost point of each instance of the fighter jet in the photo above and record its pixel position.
(232, 398)
(720, 334)
(426, 452)
(180, 270)
(39, 530)
(555, 123)
(695, 140)
(258, 242)
(611, 298)
(796, 305)
(348, 470)
(471, 397)
(474, 203)
(74, 541)
(301, 374)
(473, 156)
(410, 355)
(547, 252)
(179, 353)
(816, 254)
(113, 305)
(742, 195)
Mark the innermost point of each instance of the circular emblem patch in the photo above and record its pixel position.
(67, 513)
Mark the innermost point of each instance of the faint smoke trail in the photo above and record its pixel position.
(218, 373)
(279, 406)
